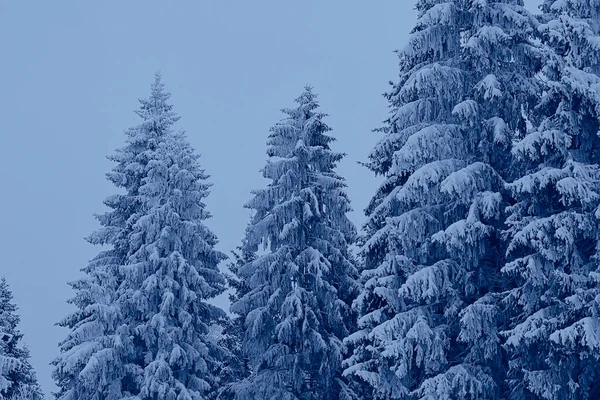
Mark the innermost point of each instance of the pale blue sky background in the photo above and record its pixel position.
(70, 76)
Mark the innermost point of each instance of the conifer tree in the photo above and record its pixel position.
(554, 336)
(432, 243)
(296, 303)
(17, 377)
(141, 328)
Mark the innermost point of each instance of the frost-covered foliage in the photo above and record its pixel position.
(300, 284)
(554, 336)
(142, 325)
(171, 272)
(236, 364)
(17, 377)
(429, 313)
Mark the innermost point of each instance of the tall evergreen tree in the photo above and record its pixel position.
(141, 328)
(432, 244)
(554, 336)
(296, 303)
(17, 377)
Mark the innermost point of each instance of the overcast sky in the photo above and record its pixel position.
(71, 74)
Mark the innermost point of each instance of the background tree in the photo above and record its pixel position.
(17, 376)
(237, 366)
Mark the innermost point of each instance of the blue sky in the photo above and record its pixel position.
(72, 72)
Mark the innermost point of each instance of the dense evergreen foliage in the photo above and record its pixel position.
(554, 335)
(430, 318)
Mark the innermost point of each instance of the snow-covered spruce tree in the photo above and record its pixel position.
(554, 336)
(142, 300)
(432, 243)
(299, 289)
(17, 376)
(93, 361)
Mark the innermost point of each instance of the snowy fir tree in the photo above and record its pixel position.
(554, 335)
(429, 314)
(299, 286)
(142, 325)
(92, 362)
(17, 377)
